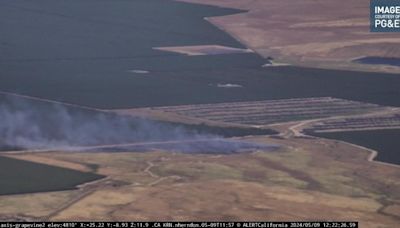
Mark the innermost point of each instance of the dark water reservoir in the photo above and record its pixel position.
(379, 60)
(17, 177)
(386, 142)
(85, 52)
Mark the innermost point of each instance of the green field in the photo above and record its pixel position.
(17, 177)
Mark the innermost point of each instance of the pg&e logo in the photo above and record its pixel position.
(385, 16)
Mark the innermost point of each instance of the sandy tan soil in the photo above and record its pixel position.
(203, 50)
(329, 180)
(314, 33)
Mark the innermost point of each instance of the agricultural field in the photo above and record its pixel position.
(272, 111)
(357, 123)
(326, 34)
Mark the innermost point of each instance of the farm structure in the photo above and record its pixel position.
(273, 111)
(358, 123)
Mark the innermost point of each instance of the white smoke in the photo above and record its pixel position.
(34, 125)
(39, 125)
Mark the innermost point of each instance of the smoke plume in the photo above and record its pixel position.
(26, 124)
(35, 125)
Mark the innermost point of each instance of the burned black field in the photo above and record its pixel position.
(200, 146)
